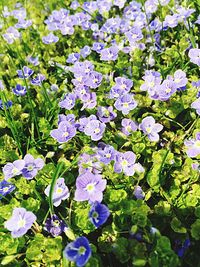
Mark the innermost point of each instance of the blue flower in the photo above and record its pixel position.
(25, 73)
(19, 90)
(78, 251)
(5, 188)
(7, 104)
(55, 226)
(98, 214)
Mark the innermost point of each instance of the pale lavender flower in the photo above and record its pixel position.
(20, 222)
(50, 38)
(72, 58)
(121, 87)
(68, 102)
(151, 128)
(13, 169)
(194, 55)
(90, 187)
(125, 103)
(98, 47)
(152, 80)
(166, 89)
(11, 35)
(138, 192)
(91, 102)
(19, 14)
(128, 126)
(110, 53)
(85, 51)
(70, 118)
(64, 133)
(33, 60)
(180, 79)
(95, 129)
(171, 21)
(23, 24)
(196, 105)
(89, 163)
(106, 153)
(60, 192)
(134, 35)
(193, 146)
(32, 166)
(106, 114)
(93, 79)
(119, 3)
(125, 162)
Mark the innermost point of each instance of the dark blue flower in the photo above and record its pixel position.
(55, 226)
(180, 248)
(5, 188)
(19, 90)
(98, 214)
(78, 251)
(25, 73)
(7, 104)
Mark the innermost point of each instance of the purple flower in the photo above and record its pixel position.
(98, 214)
(64, 133)
(98, 47)
(61, 192)
(110, 53)
(125, 162)
(106, 154)
(13, 169)
(106, 114)
(23, 24)
(5, 188)
(171, 21)
(119, 3)
(33, 60)
(20, 222)
(89, 187)
(11, 35)
(94, 79)
(55, 226)
(78, 251)
(5, 105)
(89, 163)
(85, 51)
(50, 38)
(196, 105)
(128, 126)
(32, 166)
(151, 128)
(121, 87)
(25, 73)
(134, 35)
(19, 14)
(194, 55)
(193, 146)
(152, 80)
(166, 89)
(38, 79)
(19, 90)
(138, 192)
(72, 58)
(68, 102)
(180, 248)
(95, 129)
(125, 103)
(180, 79)
(91, 102)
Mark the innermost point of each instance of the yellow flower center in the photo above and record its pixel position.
(59, 190)
(21, 222)
(126, 105)
(90, 187)
(148, 129)
(124, 163)
(97, 130)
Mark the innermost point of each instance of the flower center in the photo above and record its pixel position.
(90, 187)
(21, 223)
(168, 90)
(124, 163)
(5, 189)
(14, 171)
(66, 134)
(126, 105)
(59, 190)
(151, 84)
(97, 130)
(81, 250)
(56, 223)
(95, 215)
(197, 143)
(108, 155)
(30, 168)
(148, 129)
